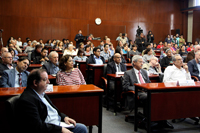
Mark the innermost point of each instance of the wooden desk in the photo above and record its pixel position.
(118, 88)
(97, 71)
(169, 101)
(33, 66)
(82, 67)
(52, 79)
(157, 52)
(129, 66)
(22, 54)
(81, 102)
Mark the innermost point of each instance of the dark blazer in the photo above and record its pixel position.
(130, 78)
(8, 78)
(190, 56)
(49, 67)
(79, 41)
(31, 113)
(165, 61)
(4, 67)
(35, 57)
(193, 69)
(91, 59)
(141, 46)
(111, 68)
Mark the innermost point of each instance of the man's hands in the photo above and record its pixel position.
(185, 67)
(65, 130)
(69, 121)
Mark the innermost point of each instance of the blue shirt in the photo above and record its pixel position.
(124, 51)
(198, 66)
(52, 114)
(98, 60)
(17, 78)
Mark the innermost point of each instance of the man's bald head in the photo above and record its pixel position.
(197, 47)
(117, 58)
(4, 49)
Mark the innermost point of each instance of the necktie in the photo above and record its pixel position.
(118, 69)
(20, 79)
(140, 77)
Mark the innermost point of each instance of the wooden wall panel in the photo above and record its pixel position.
(57, 19)
(196, 26)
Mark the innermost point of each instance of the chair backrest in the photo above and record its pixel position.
(87, 60)
(11, 105)
(105, 70)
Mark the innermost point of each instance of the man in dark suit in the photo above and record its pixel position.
(116, 65)
(36, 54)
(138, 75)
(191, 54)
(194, 65)
(141, 43)
(77, 38)
(36, 113)
(6, 62)
(52, 65)
(16, 77)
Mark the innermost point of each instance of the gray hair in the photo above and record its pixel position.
(168, 50)
(34, 42)
(152, 58)
(197, 52)
(4, 54)
(135, 58)
(174, 57)
(51, 53)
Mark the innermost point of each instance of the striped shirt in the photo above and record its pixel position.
(74, 77)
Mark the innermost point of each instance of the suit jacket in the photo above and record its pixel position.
(193, 69)
(141, 46)
(35, 56)
(4, 67)
(130, 78)
(31, 113)
(79, 40)
(8, 78)
(91, 59)
(190, 56)
(111, 67)
(49, 67)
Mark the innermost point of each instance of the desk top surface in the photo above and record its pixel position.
(165, 86)
(68, 89)
(119, 75)
(35, 65)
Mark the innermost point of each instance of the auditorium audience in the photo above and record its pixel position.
(191, 54)
(148, 54)
(154, 46)
(25, 43)
(175, 47)
(174, 40)
(181, 41)
(91, 46)
(120, 44)
(95, 58)
(43, 58)
(165, 61)
(194, 65)
(101, 46)
(125, 49)
(118, 38)
(182, 51)
(77, 38)
(3, 49)
(52, 65)
(70, 51)
(176, 72)
(153, 67)
(59, 46)
(37, 112)
(111, 49)
(105, 53)
(36, 54)
(30, 47)
(19, 41)
(10, 38)
(68, 74)
(119, 50)
(177, 39)
(134, 51)
(141, 42)
(148, 45)
(123, 39)
(12, 47)
(168, 39)
(48, 43)
(87, 50)
(91, 37)
(41, 42)
(150, 37)
(16, 77)
(12, 51)
(80, 56)
(190, 48)
(81, 46)
(6, 62)
(116, 65)
(160, 45)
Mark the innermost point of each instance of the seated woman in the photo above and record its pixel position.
(70, 51)
(154, 46)
(134, 51)
(80, 56)
(88, 51)
(81, 46)
(190, 48)
(148, 54)
(125, 49)
(69, 75)
(14, 57)
(59, 46)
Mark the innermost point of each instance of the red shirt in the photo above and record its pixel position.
(189, 49)
(160, 46)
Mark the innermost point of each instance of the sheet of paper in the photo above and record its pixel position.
(63, 124)
(49, 88)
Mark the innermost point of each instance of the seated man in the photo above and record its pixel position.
(43, 58)
(153, 67)
(16, 77)
(52, 65)
(165, 61)
(11, 46)
(3, 49)
(194, 66)
(95, 58)
(36, 54)
(116, 65)
(191, 54)
(35, 111)
(101, 46)
(105, 53)
(176, 72)
(6, 62)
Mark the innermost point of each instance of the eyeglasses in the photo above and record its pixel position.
(8, 57)
(98, 51)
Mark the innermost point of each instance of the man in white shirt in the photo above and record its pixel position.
(176, 72)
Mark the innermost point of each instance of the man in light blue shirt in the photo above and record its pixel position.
(106, 53)
(96, 58)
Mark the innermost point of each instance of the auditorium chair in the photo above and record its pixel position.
(10, 111)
